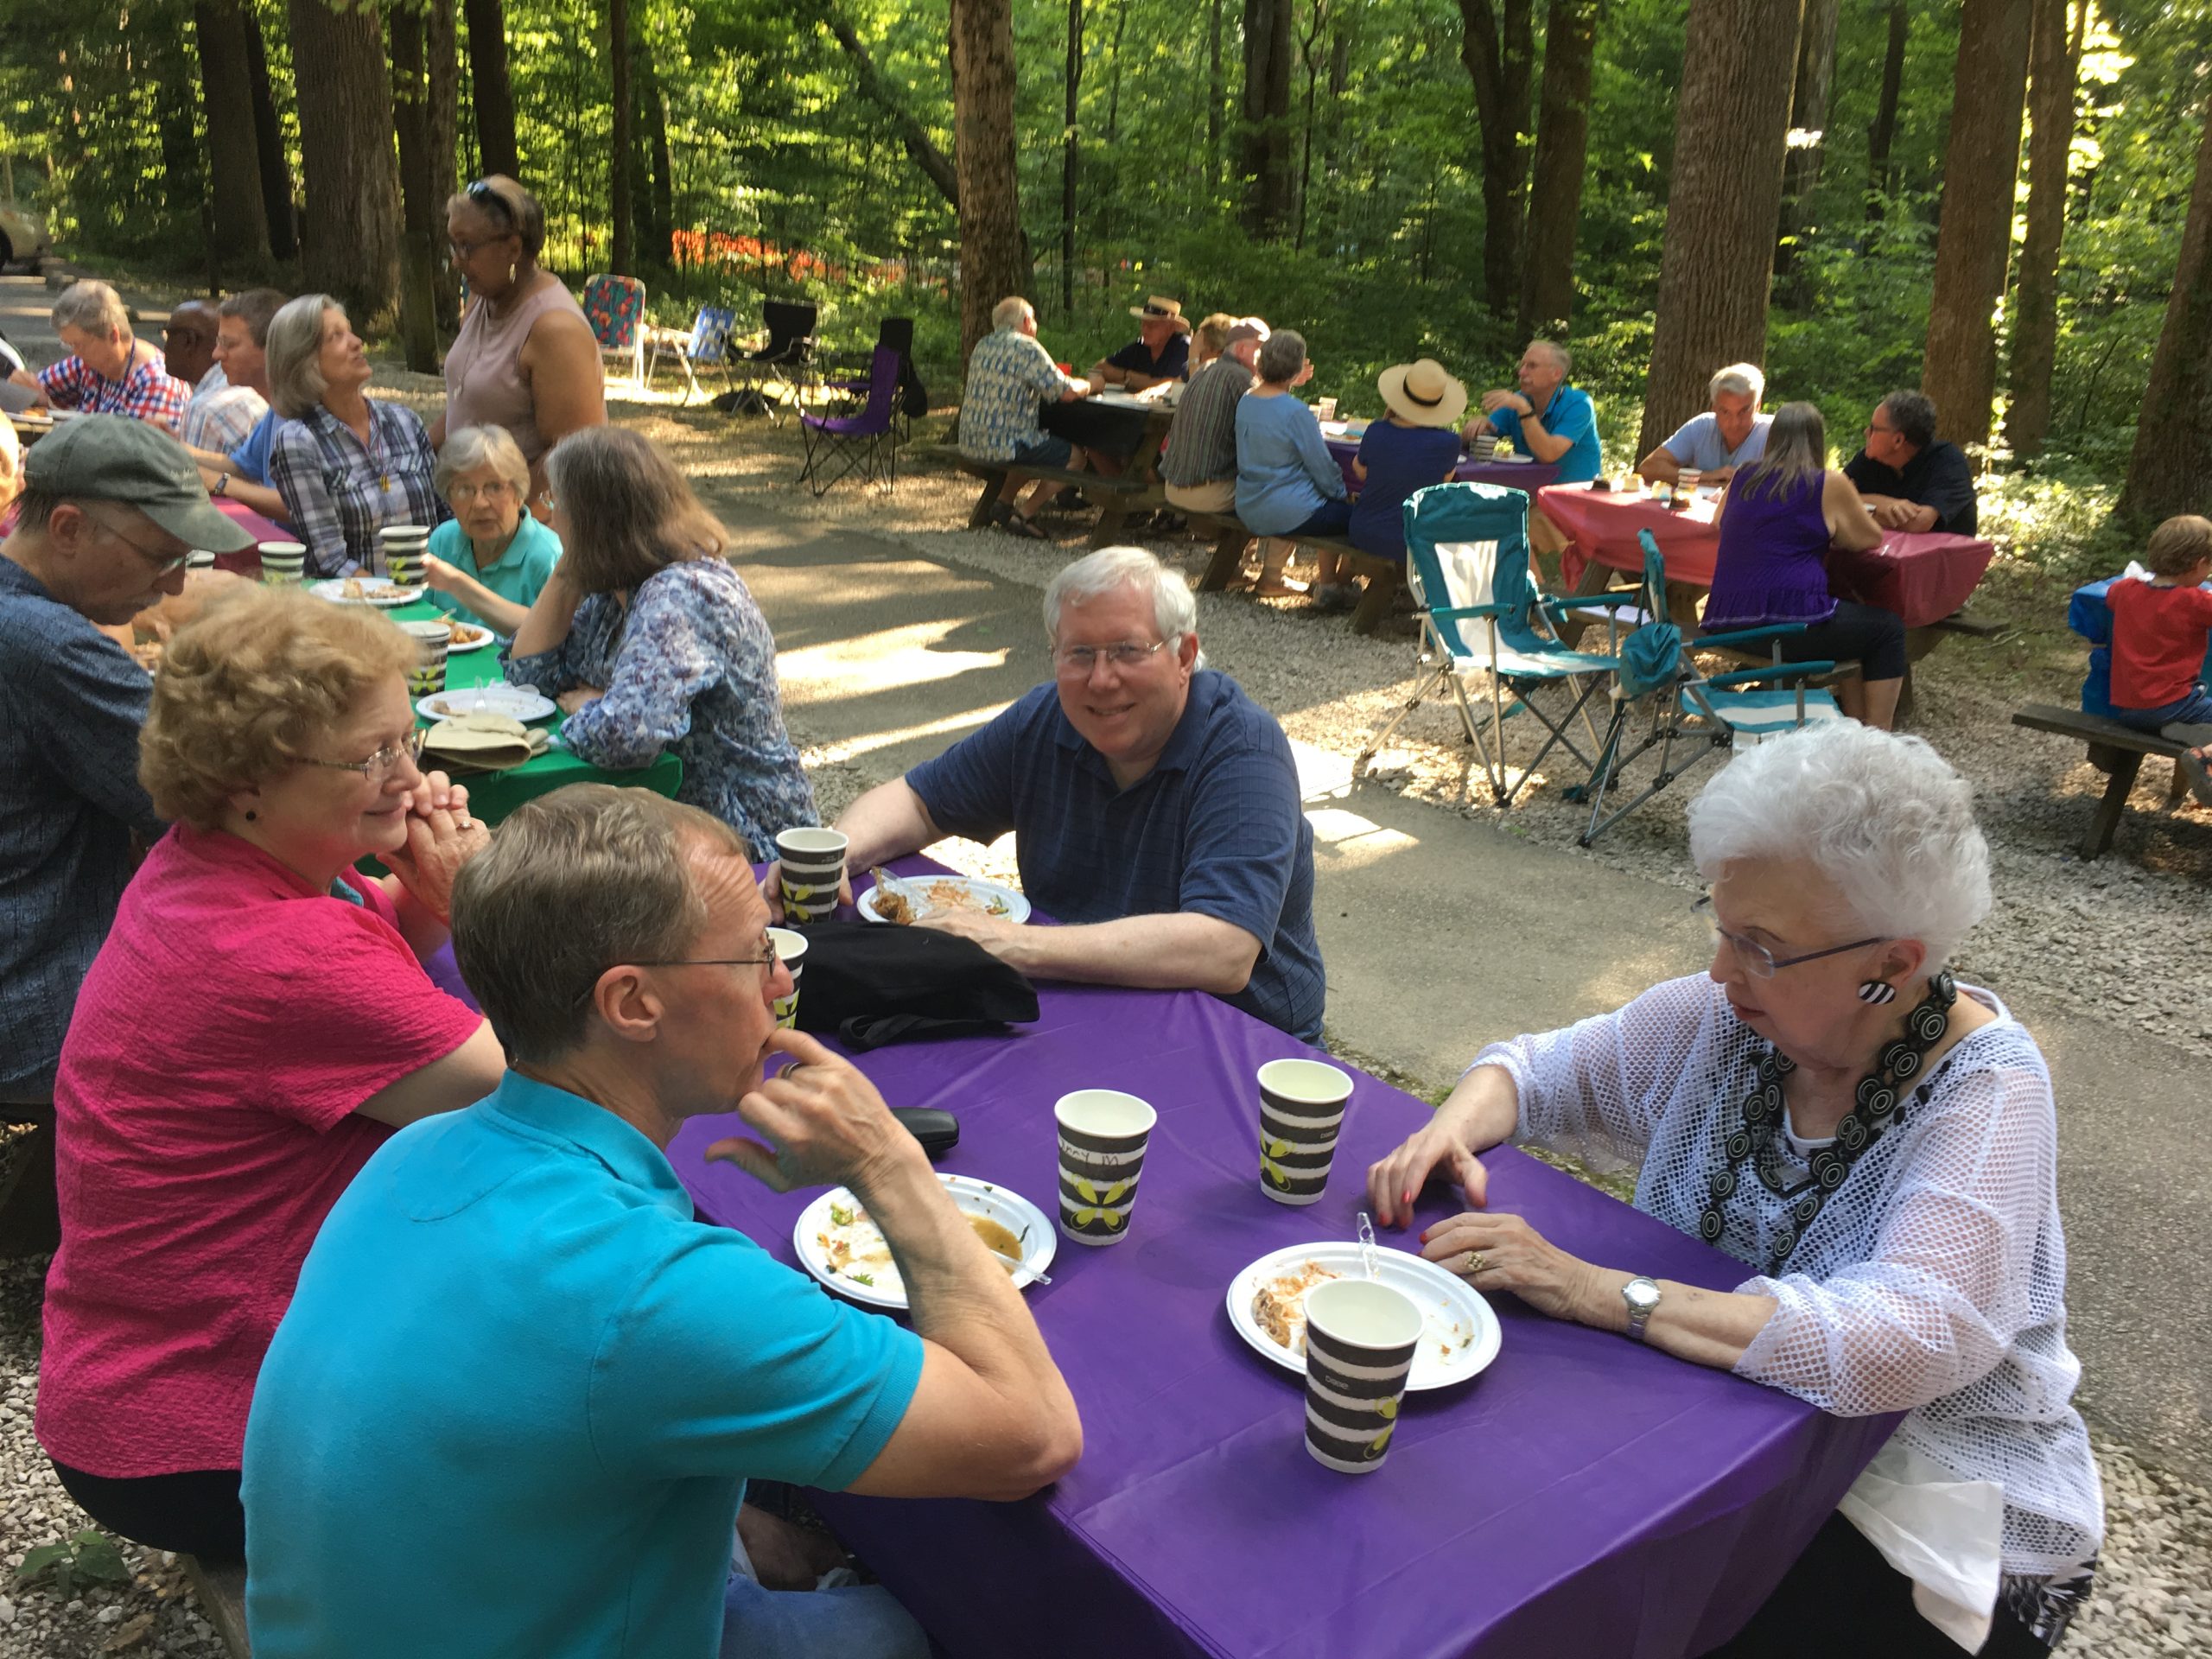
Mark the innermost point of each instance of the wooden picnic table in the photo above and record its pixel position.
(1524, 472)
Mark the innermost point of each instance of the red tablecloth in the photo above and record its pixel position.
(248, 563)
(1923, 578)
(1530, 475)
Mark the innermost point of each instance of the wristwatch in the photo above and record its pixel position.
(1642, 1295)
(222, 483)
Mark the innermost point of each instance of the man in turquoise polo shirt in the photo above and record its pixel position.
(1546, 418)
(518, 1392)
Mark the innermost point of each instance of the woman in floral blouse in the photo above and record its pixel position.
(648, 639)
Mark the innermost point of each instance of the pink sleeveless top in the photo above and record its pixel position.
(484, 382)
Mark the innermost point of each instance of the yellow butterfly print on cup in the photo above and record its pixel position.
(1113, 1218)
(1269, 1168)
(1275, 1148)
(1380, 1443)
(1092, 1195)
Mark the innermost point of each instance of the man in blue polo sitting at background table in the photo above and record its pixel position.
(1156, 809)
(1547, 419)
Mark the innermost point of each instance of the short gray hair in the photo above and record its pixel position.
(1012, 312)
(1738, 380)
(1883, 817)
(468, 448)
(93, 306)
(1281, 354)
(294, 345)
(1174, 613)
(577, 881)
(1558, 353)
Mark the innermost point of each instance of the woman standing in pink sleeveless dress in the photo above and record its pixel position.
(525, 358)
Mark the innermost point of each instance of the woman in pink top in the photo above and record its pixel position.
(257, 1023)
(525, 358)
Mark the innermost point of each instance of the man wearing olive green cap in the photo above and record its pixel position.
(110, 508)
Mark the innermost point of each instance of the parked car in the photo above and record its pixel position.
(23, 236)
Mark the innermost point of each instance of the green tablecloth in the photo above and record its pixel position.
(492, 796)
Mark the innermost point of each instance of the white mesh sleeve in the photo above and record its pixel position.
(1596, 1090)
(1946, 1286)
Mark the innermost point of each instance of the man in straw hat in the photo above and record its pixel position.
(1157, 355)
(110, 508)
(1415, 445)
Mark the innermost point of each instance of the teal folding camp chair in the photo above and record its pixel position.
(1657, 683)
(1467, 561)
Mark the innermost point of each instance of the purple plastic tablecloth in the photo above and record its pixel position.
(1530, 475)
(1583, 1496)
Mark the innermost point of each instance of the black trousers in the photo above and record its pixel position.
(194, 1514)
(1842, 1600)
(1872, 638)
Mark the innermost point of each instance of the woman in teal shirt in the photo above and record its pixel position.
(487, 562)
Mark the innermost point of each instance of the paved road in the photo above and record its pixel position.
(1441, 933)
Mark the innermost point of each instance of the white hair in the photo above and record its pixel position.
(1738, 380)
(93, 306)
(1558, 353)
(468, 448)
(1011, 312)
(1111, 569)
(1885, 818)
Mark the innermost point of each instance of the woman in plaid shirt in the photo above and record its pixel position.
(347, 464)
(109, 371)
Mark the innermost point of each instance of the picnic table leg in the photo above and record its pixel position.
(1227, 564)
(2123, 765)
(1113, 513)
(1592, 580)
(981, 515)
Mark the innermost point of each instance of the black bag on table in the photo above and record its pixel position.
(868, 986)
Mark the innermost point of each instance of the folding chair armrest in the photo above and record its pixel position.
(1468, 612)
(1774, 671)
(1576, 601)
(1735, 636)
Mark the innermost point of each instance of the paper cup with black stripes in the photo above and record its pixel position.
(1301, 1111)
(427, 677)
(1103, 1133)
(282, 563)
(200, 559)
(811, 863)
(791, 950)
(402, 546)
(1360, 1337)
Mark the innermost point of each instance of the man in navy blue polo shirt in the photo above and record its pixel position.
(1160, 351)
(1156, 809)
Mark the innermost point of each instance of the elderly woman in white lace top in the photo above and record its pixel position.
(1878, 1145)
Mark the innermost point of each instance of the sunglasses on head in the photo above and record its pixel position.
(485, 196)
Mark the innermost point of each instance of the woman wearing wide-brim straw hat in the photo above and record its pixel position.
(1416, 444)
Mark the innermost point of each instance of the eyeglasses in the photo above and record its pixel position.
(1127, 654)
(1759, 961)
(767, 960)
(163, 562)
(383, 761)
(460, 492)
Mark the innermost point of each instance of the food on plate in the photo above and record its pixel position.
(890, 903)
(460, 633)
(1279, 1309)
(854, 1249)
(352, 589)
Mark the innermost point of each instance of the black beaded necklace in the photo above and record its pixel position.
(1753, 1140)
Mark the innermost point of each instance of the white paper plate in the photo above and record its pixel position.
(1002, 1205)
(515, 701)
(375, 590)
(1462, 1335)
(477, 640)
(1012, 907)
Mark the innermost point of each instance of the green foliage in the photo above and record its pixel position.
(90, 1556)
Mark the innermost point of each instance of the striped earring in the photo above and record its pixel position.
(1876, 991)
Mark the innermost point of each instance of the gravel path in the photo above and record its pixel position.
(1331, 688)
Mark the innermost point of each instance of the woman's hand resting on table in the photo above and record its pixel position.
(1505, 1253)
(442, 836)
(1437, 1148)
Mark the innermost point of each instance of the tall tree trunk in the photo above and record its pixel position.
(994, 258)
(491, 96)
(1881, 180)
(445, 152)
(1217, 94)
(1071, 159)
(623, 160)
(268, 147)
(2170, 468)
(663, 219)
(912, 134)
(1268, 34)
(1723, 203)
(1809, 120)
(2055, 61)
(1309, 46)
(240, 223)
(1974, 234)
(1499, 52)
(421, 215)
(350, 239)
(1562, 150)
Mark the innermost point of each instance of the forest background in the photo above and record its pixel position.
(2006, 201)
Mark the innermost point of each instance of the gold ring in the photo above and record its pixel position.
(1476, 1264)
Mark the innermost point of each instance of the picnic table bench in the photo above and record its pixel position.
(1230, 539)
(2115, 750)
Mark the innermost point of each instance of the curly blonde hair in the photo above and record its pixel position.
(249, 686)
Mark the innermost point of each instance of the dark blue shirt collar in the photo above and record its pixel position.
(539, 1111)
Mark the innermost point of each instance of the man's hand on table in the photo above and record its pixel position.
(995, 934)
(575, 698)
(821, 1124)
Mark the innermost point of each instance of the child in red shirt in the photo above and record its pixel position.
(2159, 630)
